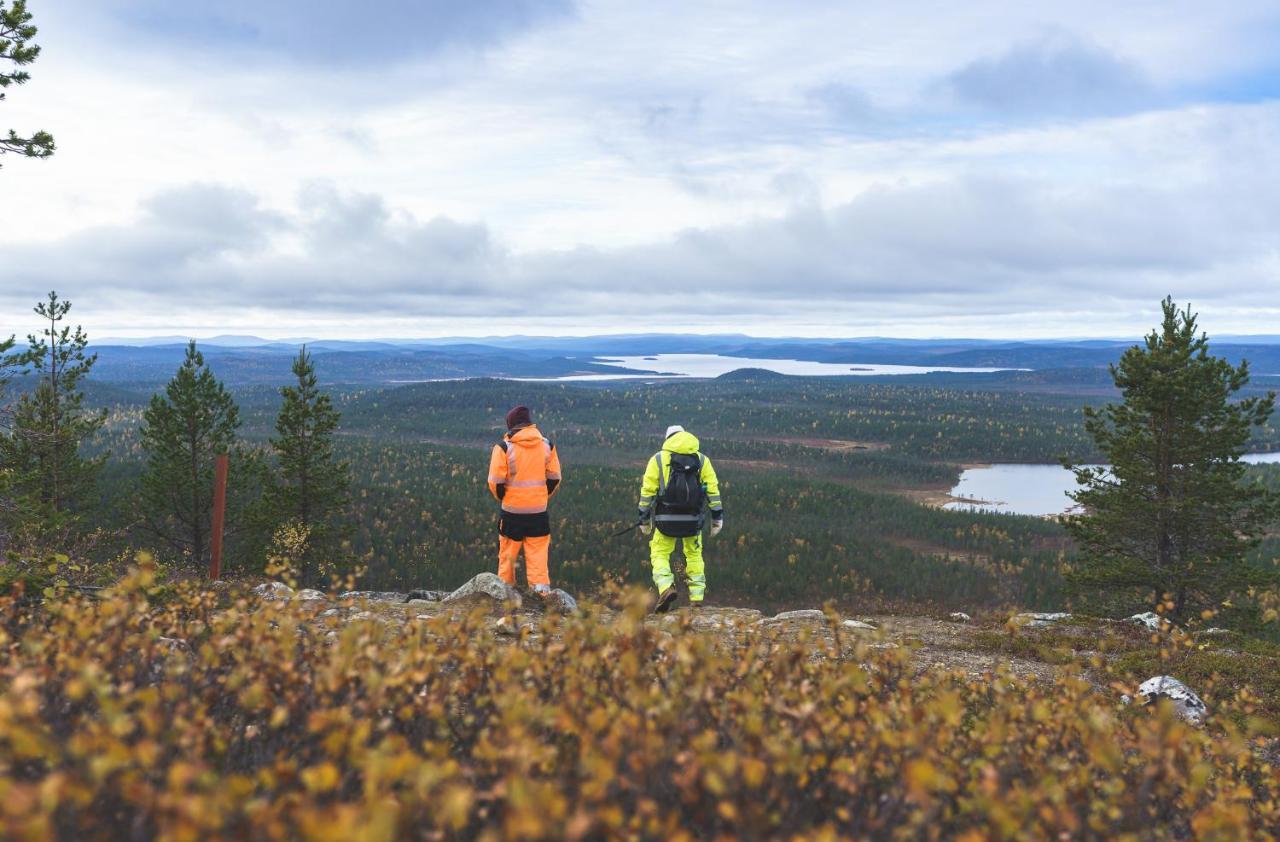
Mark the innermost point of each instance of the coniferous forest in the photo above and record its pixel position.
(822, 478)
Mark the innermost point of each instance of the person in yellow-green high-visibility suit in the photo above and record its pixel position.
(679, 489)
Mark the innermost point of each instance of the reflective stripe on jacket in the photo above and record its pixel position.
(523, 471)
(658, 471)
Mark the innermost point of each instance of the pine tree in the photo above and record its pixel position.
(46, 475)
(16, 32)
(183, 430)
(313, 483)
(1170, 518)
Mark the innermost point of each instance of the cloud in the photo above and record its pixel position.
(1056, 74)
(849, 104)
(334, 32)
(932, 249)
(519, 159)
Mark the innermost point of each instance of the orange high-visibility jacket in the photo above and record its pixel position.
(524, 472)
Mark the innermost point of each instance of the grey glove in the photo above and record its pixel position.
(646, 528)
(716, 526)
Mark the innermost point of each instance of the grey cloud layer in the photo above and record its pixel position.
(974, 243)
(1056, 74)
(330, 31)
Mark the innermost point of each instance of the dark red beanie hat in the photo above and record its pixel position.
(519, 417)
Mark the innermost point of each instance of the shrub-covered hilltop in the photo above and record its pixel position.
(216, 715)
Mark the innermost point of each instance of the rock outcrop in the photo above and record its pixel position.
(1039, 618)
(425, 596)
(274, 590)
(562, 601)
(1186, 703)
(803, 614)
(1149, 619)
(486, 586)
(374, 596)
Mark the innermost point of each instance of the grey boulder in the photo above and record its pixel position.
(1149, 619)
(274, 590)
(486, 586)
(1189, 707)
(561, 601)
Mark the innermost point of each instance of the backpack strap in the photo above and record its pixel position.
(662, 479)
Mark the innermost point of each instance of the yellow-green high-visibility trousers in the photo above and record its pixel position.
(695, 573)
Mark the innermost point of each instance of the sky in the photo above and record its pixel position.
(416, 168)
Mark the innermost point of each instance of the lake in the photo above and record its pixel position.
(673, 366)
(1039, 490)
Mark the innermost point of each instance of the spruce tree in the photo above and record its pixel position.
(183, 430)
(16, 32)
(47, 477)
(313, 483)
(1170, 518)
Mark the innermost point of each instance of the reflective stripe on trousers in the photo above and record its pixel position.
(660, 549)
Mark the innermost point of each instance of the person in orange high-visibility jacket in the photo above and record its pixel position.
(524, 474)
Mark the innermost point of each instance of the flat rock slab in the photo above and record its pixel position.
(425, 596)
(715, 618)
(485, 587)
(310, 595)
(857, 624)
(1039, 619)
(802, 615)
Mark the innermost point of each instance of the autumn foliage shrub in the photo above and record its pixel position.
(216, 716)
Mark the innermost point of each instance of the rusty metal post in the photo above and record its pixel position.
(219, 514)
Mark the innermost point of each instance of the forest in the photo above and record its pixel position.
(823, 478)
(812, 516)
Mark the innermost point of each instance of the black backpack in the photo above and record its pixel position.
(684, 493)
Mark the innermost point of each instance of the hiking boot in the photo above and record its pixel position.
(696, 604)
(665, 600)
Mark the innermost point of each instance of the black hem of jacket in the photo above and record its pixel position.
(517, 527)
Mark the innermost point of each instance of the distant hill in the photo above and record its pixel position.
(250, 359)
(749, 374)
(340, 363)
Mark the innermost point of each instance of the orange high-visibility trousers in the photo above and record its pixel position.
(536, 551)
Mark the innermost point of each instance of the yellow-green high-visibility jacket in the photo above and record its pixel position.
(659, 470)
